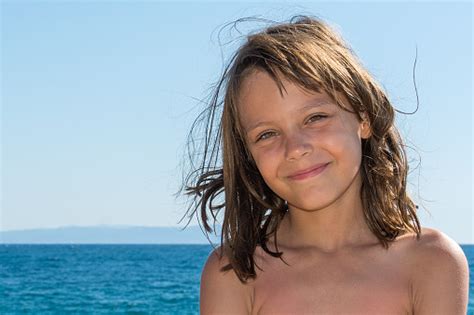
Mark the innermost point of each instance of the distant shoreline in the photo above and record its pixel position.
(108, 235)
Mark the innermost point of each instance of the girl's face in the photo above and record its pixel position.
(307, 148)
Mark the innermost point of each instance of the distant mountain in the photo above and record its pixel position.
(109, 235)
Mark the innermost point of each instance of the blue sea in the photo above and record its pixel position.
(112, 279)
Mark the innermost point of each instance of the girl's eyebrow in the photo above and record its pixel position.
(316, 103)
(309, 105)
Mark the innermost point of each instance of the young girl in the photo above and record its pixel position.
(303, 155)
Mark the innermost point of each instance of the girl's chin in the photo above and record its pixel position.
(308, 205)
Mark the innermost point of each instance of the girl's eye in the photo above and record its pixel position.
(265, 135)
(316, 117)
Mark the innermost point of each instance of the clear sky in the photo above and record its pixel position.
(97, 99)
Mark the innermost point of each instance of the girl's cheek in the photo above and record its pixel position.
(269, 151)
(346, 146)
(265, 157)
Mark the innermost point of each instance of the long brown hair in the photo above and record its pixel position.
(309, 53)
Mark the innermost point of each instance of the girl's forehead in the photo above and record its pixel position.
(259, 87)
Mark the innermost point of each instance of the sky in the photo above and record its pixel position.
(97, 99)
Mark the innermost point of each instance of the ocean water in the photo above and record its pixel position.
(97, 279)
(112, 279)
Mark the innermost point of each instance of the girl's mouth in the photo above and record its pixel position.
(309, 172)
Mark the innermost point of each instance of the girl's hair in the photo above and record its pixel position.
(309, 53)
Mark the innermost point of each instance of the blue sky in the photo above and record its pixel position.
(97, 99)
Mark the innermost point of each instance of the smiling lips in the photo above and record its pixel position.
(309, 172)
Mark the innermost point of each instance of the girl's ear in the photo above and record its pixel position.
(365, 128)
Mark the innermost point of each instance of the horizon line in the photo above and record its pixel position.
(97, 226)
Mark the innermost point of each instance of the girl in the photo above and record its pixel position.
(312, 179)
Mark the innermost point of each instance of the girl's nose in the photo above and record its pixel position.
(297, 146)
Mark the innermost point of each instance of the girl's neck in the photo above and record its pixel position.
(326, 232)
(338, 226)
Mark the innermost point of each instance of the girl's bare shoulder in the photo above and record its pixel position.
(434, 249)
(440, 273)
(222, 292)
(432, 243)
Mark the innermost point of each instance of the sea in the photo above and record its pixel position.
(110, 279)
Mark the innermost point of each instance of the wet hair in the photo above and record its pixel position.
(309, 53)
